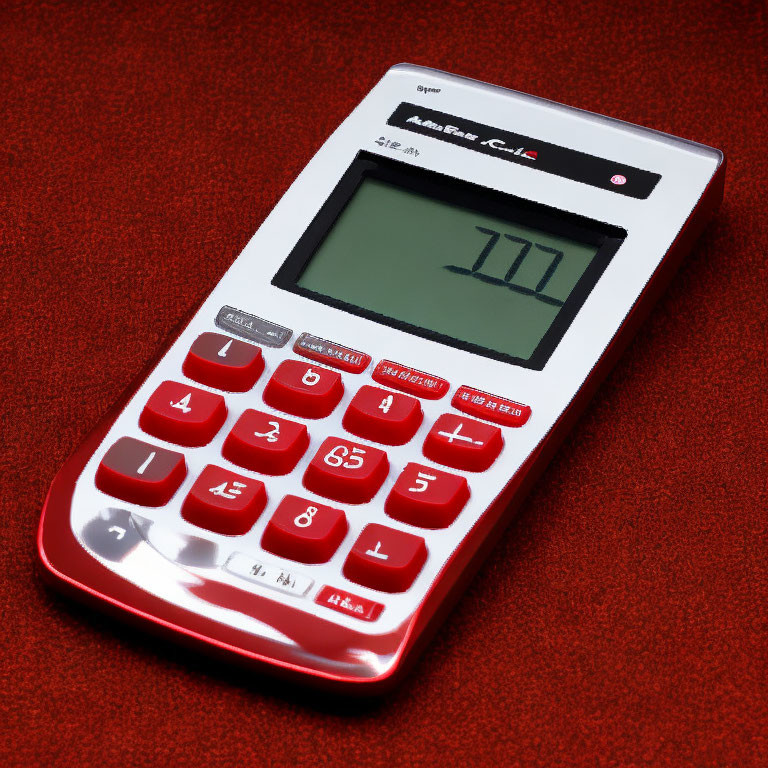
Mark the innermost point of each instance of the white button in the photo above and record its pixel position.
(271, 576)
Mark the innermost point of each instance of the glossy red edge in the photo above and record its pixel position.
(124, 599)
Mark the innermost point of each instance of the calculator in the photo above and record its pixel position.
(314, 467)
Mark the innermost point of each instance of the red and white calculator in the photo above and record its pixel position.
(318, 462)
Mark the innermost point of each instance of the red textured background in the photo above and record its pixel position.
(621, 620)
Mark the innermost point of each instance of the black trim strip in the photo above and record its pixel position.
(524, 150)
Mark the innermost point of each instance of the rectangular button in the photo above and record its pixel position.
(271, 576)
(327, 352)
(346, 602)
(253, 328)
(410, 380)
(508, 413)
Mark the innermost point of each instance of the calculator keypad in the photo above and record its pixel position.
(266, 443)
(182, 414)
(345, 471)
(222, 362)
(385, 559)
(304, 531)
(141, 473)
(383, 416)
(224, 502)
(304, 389)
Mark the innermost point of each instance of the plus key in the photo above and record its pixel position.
(462, 443)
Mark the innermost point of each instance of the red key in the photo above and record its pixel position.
(463, 443)
(508, 413)
(385, 559)
(223, 362)
(426, 497)
(345, 471)
(330, 353)
(303, 389)
(383, 416)
(265, 443)
(141, 473)
(410, 380)
(182, 414)
(224, 502)
(304, 531)
(345, 602)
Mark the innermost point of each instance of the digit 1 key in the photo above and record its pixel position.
(141, 473)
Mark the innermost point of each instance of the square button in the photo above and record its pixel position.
(383, 416)
(463, 443)
(304, 531)
(224, 502)
(139, 472)
(346, 471)
(265, 443)
(222, 362)
(303, 389)
(427, 497)
(385, 559)
(182, 414)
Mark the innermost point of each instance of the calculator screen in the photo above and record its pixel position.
(470, 276)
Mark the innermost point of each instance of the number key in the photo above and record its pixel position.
(182, 414)
(385, 559)
(135, 471)
(346, 471)
(304, 531)
(224, 502)
(426, 497)
(384, 416)
(223, 362)
(265, 443)
(304, 389)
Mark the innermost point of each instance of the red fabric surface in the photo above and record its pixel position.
(621, 620)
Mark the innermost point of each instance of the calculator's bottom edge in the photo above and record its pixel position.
(72, 570)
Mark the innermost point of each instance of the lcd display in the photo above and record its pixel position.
(476, 278)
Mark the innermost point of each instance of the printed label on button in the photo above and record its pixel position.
(253, 328)
(270, 576)
(345, 602)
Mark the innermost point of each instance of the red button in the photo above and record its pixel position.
(385, 559)
(410, 380)
(343, 358)
(345, 471)
(223, 362)
(141, 473)
(345, 602)
(463, 443)
(304, 531)
(426, 497)
(265, 443)
(303, 389)
(182, 414)
(383, 416)
(224, 502)
(508, 413)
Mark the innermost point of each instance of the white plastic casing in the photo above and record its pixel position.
(651, 225)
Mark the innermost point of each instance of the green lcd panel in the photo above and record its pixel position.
(480, 279)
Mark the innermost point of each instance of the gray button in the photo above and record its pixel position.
(253, 328)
